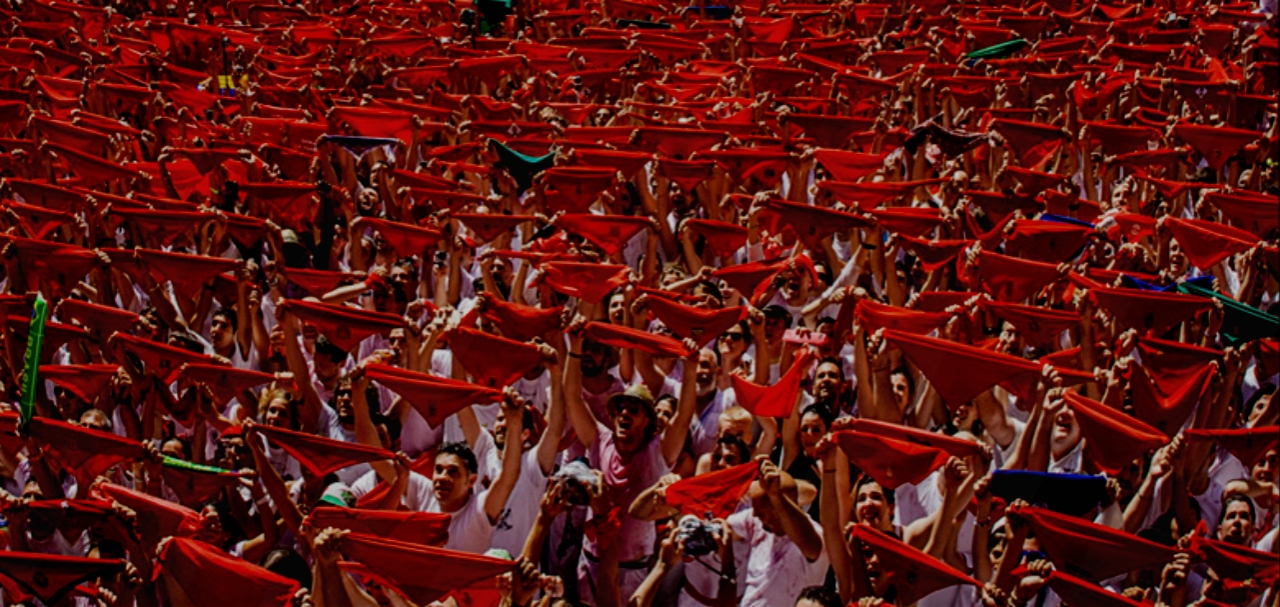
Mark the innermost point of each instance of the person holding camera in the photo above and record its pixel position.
(631, 455)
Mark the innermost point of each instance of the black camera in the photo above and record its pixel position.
(699, 537)
(578, 482)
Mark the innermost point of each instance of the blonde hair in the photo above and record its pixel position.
(736, 417)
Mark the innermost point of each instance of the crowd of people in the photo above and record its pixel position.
(633, 302)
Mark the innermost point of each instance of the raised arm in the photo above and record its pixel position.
(366, 432)
(797, 525)
(309, 411)
(832, 533)
(678, 430)
(512, 456)
(549, 444)
(583, 421)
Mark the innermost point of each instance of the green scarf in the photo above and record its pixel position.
(522, 167)
(998, 51)
(1241, 323)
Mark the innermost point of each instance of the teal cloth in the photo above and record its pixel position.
(1241, 323)
(999, 51)
(522, 167)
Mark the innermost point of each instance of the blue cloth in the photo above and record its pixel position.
(1070, 494)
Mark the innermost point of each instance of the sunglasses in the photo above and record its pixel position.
(733, 336)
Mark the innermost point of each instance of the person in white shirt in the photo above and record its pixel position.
(787, 548)
(538, 457)
(453, 484)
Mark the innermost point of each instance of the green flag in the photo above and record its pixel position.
(31, 365)
(522, 167)
(1240, 323)
(181, 464)
(999, 51)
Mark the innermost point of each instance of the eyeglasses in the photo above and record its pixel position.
(733, 336)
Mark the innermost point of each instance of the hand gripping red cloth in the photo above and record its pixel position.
(912, 573)
(208, 577)
(1112, 439)
(345, 326)
(702, 325)
(319, 456)
(491, 360)
(434, 398)
(717, 493)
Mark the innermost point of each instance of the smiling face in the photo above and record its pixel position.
(827, 381)
(708, 369)
(342, 404)
(617, 308)
(901, 390)
(630, 419)
(451, 482)
(732, 343)
(1267, 470)
(279, 414)
(1066, 433)
(812, 429)
(665, 410)
(1177, 261)
(871, 506)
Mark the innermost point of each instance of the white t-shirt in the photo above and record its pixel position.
(776, 569)
(418, 496)
(469, 529)
(1224, 469)
(516, 520)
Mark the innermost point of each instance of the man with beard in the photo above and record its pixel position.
(630, 454)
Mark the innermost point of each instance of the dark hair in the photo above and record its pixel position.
(708, 288)
(744, 452)
(833, 360)
(329, 349)
(109, 549)
(462, 452)
(867, 480)
(1226, 503)
(821, 595)
(406, 264)
(182, 441)
(285, 562)
(911, 381)
(233, 319)
(822, 411)
(746, 331)
(187, 341)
